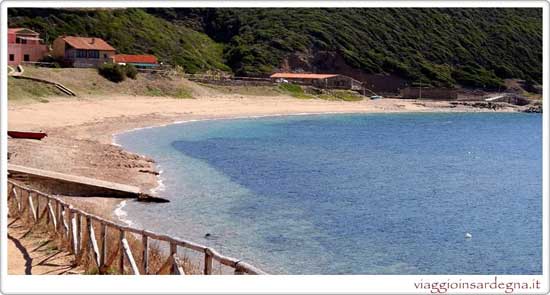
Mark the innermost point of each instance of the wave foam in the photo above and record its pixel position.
(122, 215)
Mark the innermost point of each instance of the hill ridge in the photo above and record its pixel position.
(472, 47)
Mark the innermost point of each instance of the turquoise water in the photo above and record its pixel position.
(354, 194)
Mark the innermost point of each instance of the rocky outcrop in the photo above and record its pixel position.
(533, 108)
(482, 104)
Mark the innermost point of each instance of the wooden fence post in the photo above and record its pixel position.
(58, 213)
(92, 242)
(66, 232)
(207, 262)
(72, 239)
(18, 199)
(10, 193)
(121, 250)
(128, 253)
(9, 188)
(103, 250)
(145, 254)
(43, 212)
(37, 214)
(9, 196)
(79, 232)
(19, 195)
(62, 218)
(24, 202)
(47, 211)
(74, 233)
(173, 251)
(52, 215)
(178, 268)
(32, 211)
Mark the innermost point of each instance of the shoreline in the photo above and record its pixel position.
(88, 139)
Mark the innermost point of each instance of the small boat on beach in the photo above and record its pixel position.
(27, 135)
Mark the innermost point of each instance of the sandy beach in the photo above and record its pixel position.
(80, 131)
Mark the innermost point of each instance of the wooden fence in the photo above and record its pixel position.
(68, 221)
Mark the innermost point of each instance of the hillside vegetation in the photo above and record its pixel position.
(475, 47)
(131, 31)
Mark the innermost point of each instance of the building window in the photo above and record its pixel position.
(81, 53)
(26, 57)
(93, 54)
(12, 57)
(105, 55)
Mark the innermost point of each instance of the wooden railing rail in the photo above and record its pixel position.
(67, 220)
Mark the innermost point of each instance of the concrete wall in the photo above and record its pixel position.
(429, 93)
(338, 82)
(230, 82)
(384, 83)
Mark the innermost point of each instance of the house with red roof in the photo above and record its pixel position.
(140, 61)
(25, 45)
(83, 52)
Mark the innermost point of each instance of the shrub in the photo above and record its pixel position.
(294, 90)
(57, 62)
(113, 72)
(131, 72)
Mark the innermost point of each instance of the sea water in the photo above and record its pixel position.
(353, 194)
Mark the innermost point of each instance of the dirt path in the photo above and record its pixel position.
(31, 252)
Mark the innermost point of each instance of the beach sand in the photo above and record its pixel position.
(80, 130)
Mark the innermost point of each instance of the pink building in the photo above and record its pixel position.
(24, 45)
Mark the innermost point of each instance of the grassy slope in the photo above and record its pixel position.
(311, 93)
(87, 82)
(131, 31)
(25, 91)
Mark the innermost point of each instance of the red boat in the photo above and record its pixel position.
(28, 135)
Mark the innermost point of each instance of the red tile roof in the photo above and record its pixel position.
(15, 30)
(135, 58)
(88, 43)
(302, 76)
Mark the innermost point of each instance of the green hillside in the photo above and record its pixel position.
(476, 47)
(131, 31)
